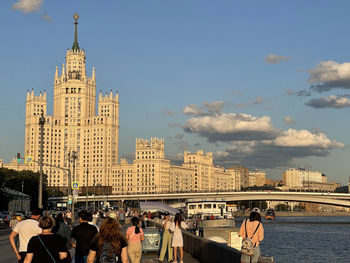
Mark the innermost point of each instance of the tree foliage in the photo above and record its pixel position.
(252, 204)
(282, 207)
(13, 179)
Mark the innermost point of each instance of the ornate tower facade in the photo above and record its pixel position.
(74, 125)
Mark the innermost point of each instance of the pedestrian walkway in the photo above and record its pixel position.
(153, 258)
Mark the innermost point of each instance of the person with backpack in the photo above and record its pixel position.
(135, 235)
(109, 245)
(252, 232)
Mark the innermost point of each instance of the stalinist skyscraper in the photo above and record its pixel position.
(74, 125)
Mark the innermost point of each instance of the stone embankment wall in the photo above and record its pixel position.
(296, 214)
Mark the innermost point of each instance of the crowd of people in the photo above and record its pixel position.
(99, 237)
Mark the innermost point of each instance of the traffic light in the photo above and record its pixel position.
(18, 157)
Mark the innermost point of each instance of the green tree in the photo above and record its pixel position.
(13, 179)
(282, 207)
(252, 204)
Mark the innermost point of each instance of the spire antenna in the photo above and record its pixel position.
(75, 44)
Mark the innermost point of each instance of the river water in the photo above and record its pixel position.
(307, 239)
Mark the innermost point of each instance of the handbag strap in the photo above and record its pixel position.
(246, 232)
(48, 252)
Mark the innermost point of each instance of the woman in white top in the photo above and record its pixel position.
(177, 238)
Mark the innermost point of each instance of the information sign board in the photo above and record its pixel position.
(28, 159)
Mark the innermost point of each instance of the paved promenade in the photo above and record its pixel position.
(7, 255)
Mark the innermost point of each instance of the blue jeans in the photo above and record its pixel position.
(80, 259)
(253, 258)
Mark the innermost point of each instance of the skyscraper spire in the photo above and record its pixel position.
(56, 74)
(75, 44)
(93, 74)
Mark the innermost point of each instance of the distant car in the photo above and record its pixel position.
(6, 219)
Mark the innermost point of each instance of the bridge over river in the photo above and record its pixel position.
(338, 199)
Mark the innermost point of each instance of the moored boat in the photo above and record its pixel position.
(270, 214)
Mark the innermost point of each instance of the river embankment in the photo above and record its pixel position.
(295, 214)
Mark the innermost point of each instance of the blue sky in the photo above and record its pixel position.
(263, 84)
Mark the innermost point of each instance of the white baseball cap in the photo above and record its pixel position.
(255, 209)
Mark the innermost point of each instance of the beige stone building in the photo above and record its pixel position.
(74, 125)
(241, 175)
(307, 180)
(257, 178)
(150, 172)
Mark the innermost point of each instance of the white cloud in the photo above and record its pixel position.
(253, 141)
(214, 107)
(209, 108)
(288, 120)
(27, 6)
(305, 138)
(280, 152)
(193, 109)
(332, 101)
(230, 127)
(275, 59)
(329, 74)
(220, 154)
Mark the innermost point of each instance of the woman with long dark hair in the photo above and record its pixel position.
(134, 235)
(109, 244)
(177, 238)
(253, 229)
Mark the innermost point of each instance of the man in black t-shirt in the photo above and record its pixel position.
(81, 237)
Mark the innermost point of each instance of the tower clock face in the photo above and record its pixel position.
(76, 16)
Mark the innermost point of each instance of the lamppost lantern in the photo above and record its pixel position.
(76, 16)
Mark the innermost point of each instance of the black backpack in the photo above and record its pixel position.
(108, 254)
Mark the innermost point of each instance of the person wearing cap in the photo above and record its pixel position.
(112, 214)
(253, 229)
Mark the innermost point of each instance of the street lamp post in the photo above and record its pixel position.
(98, 196)
(87, 187)
(69, 188)
(41, 124)
(74, 157)
(94, 193)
